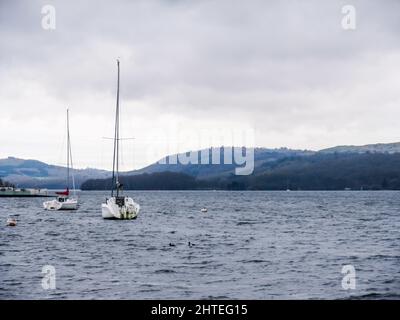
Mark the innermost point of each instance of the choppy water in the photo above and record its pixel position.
(259, 245)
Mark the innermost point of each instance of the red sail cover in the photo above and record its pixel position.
(63, 193)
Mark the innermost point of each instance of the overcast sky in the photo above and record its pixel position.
(195, 74)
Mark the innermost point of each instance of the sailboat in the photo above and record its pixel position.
(118, 206)
(63, 200)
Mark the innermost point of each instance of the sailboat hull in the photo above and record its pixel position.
(126, 211)
(56, 204)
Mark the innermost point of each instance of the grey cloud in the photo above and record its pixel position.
(274, 64)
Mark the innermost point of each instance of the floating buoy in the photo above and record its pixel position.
(204, 210)
(11, 222)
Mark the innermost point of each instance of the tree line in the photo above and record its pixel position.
(6, 184)
(335, 171)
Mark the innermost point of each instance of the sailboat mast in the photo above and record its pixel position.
(115, 181)
(117, 141)
(68, 148)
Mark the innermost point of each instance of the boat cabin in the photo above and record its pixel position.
(120, 201)
(61, 199)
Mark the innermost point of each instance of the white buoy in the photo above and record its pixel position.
(11, 222)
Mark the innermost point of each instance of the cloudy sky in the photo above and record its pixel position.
(195, 74)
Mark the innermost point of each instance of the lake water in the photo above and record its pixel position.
(249, 245)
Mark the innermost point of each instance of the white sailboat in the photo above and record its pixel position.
(118, 206)
(63, 200)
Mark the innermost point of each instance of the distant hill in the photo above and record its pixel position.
(320, 171)
(273, 169)
(372, 148)
(33, 173)
(209, 171)
(333, 171)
